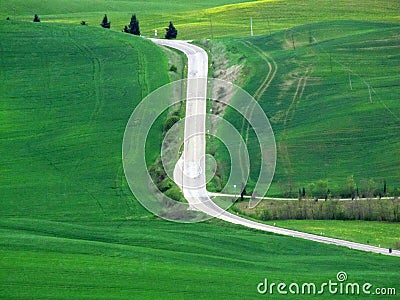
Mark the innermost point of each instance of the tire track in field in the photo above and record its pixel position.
(297, 96)
(98, 80)
(142, 75)
(272, 70)
(46, 87)
(118, 187)
(97, 77)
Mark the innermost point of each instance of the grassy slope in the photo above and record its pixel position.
(69, 226)
(154, 14)
(228, 17)
(329, 131)
(60, 143)
(125, 260)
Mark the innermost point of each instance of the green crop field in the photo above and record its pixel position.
(60, 143)
(146, 258)
(332, 102)
(199, 19)
(372, 233)
(70, 227)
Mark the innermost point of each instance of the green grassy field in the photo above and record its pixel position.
(125, 259)
(69, 226)
(372, 233)
(376, 233)
(60, 143)
(332, 103)
(201, 19)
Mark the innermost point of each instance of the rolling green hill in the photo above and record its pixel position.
(68, 93)
(145, 258)
(332, 101)
(69, 226)
(199, 19)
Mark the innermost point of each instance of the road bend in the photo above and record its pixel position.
(192, 162)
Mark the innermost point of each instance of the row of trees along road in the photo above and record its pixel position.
(133, 27)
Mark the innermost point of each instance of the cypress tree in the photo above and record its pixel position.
(384, 187)
(171, 31)
(133, 27)
(105, 23)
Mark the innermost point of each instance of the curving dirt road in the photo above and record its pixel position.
(192, 161)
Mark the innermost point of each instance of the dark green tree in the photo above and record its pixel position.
(384, 187)
(105, 23)
(133, 27)
(36, 18)
(171, 31)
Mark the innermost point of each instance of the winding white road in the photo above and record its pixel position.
(192, 162)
